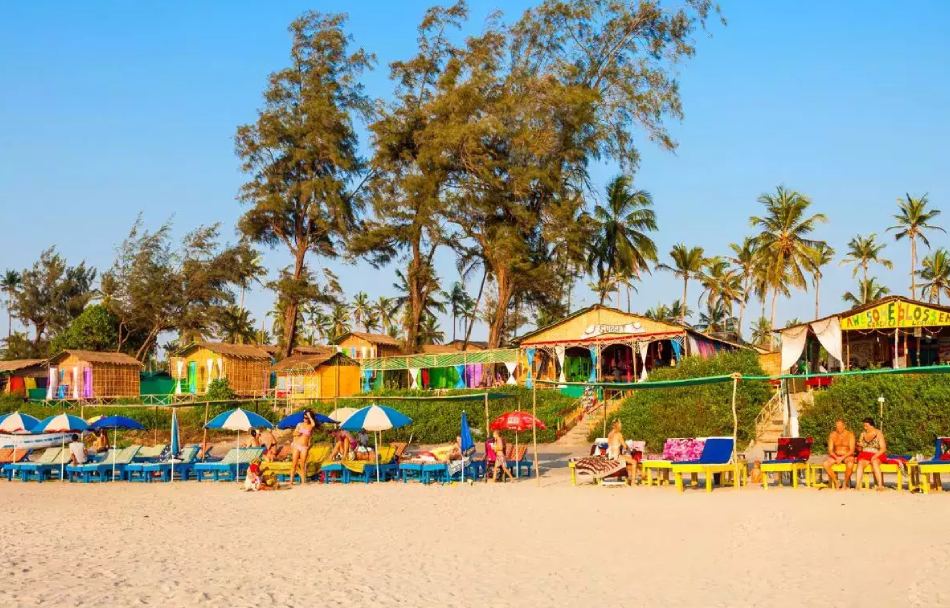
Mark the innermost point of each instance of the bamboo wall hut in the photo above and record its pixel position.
(360, 345)
(245, 366)
(322, 375)
(21, 377)
(84, 374)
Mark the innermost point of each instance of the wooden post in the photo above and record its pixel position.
(486, 416)
(534, 431)
(735, 430)
(204, 437)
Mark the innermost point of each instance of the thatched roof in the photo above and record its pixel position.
(91, 356)
(251, 352)
(310, 362)
(381, 339)
(315, 349)
(16, 365)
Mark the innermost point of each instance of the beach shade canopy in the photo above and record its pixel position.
(297, 417)
(342, 413)
(60, 423)
(239, 420)
(115, 422)
(375, 418)
(516, 421)
(17, 423)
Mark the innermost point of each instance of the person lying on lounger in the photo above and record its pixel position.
(615, 451)
(840, 451)
(873, 451)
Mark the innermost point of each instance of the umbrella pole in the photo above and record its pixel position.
(115, 440)
(237, 460)
(517, 468)
(534, 432)
(376, 440)
(735, 431)
(62, 463)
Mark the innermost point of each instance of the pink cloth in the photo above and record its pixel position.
(683, 449)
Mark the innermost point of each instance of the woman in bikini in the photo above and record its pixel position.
(300, 445)
(873, 449)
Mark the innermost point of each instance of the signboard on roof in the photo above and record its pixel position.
(896, 314)
(622, 328)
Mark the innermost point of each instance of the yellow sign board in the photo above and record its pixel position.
(896, 314)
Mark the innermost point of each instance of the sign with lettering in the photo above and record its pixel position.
(896, 314)
(623, 328)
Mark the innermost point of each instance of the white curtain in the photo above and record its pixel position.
(793, 343)
(559, 353)
(178, 378)
(829, 334)
(75, 382)
(220, 367)
(511, 372)
(210, 366)
(413, 371)
(53, 382)
(642, 347)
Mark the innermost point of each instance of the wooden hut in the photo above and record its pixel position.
(310, 376)
(22, 376)
(245, 366)
(86, 374)
(360, 345)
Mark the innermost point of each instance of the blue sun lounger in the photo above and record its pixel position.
(716, 458)
(162, 471)
(232, 467)
(114, 460)
(27, 468)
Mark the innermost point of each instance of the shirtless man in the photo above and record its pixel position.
(840, 450)
(615, 444)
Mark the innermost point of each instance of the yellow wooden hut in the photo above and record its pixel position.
(85, 374)
(320, 375)
(361, 345)
(245, 366)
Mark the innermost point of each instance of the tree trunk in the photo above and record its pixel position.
(772, 319)
(495, 331)
(817, 298)
(471, 320)
(913, 267)
(629, 298)
(414, 282)
(293, 306)
(683, 301)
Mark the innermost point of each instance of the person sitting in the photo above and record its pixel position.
(873, 450)
(267, 440)
(840, 451)
(500, 465)
(341, 446)
(253, 479)
(615, 451)
(456, 453)
(100, 444)
(77, 451)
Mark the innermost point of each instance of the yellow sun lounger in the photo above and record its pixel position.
(716, 459)
(315, 457)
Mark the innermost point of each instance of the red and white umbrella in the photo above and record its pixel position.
(516, 421)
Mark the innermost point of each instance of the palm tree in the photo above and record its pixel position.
(744, 259)
(687, 264)
(914, 218)
(722, 286)
(822, 255)
(678, 311)
(622, 247)
(782, 244)
(10, 282)
(385, 308)
(235, 325)
(762, 332)
(339, 320)
(661, 312)
(869, 290)
(862, 252)
(362, 309)
(935, 270)
(460, 303)
(429, 330)
(716, 319)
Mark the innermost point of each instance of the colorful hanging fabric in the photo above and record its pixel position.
(559, 353)
(677, 350)
(425, 378)
(87, 382)
(593, 364)
(367, 380)
(413, 377)
(460, 380)
(53, 381)
(529, 377)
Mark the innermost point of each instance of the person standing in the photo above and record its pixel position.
(300, 445)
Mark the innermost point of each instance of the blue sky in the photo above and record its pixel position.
(114, 108)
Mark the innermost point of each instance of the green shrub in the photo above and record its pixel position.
(916, 409)
(694, 411)
(219, 390)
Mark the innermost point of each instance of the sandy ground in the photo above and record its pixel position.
(190, 544)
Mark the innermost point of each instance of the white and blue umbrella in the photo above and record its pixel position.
(17, 423)
(61, 423)
(376, 418)
(174, 444)
(238, 420)
(115, 423)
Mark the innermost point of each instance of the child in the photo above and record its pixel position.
(755, 477)
(252, 482)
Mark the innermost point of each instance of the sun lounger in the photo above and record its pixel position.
(114, 460)
(677, 449)
(230, 468)
(716, 458)
(49, 470)
(10, 456)
(162, 471)
(518, 461)
(315, 457)
(25, 469)
(151, 453)
(791, 457)
(594, 468)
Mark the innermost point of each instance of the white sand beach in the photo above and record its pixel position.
(517, 544)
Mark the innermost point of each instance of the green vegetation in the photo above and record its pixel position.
(916, 409)
(695, 411)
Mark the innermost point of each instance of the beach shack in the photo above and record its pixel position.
(317, 375)
(604, 344)
(245, 366)
(23, 377)
(894, 332)
(85, 374)
(360, 345)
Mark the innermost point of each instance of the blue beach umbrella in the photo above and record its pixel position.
(297, 417)
(61, 423)
(174, 444)
(115, 423)
(17, 423)
(238, 420)
(467, 444)
(375, 418)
